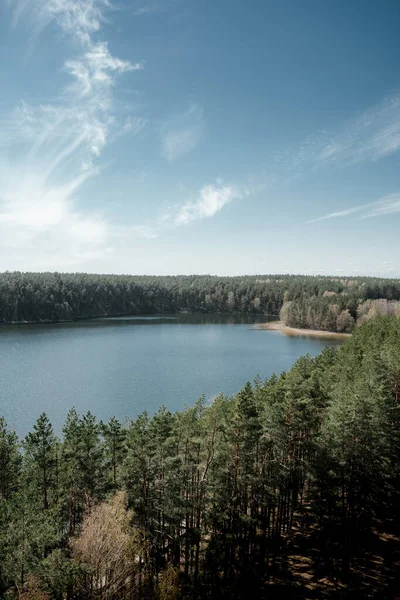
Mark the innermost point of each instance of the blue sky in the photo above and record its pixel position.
(200, 136)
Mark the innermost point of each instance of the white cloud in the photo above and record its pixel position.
(388, 205)
(54, 150)
(39, 221)
(48, 152)
(182, 134)
(337, 215)
(211, 199)
(369, 137)
(146, 10)
(94, 72)
(134, 124)
(372, 136)
(79, 19)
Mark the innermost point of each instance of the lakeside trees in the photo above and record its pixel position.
(289, 487)
(332, 313)
(316, 302)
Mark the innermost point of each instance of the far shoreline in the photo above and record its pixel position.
(294, 331)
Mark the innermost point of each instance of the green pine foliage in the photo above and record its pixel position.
(289, 488)
(316, 302)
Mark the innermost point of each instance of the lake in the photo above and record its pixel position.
(123, 366)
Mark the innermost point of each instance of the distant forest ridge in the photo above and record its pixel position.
(305, 301)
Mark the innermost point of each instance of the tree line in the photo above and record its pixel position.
(316, 302)
(289, 488)
(330, 312)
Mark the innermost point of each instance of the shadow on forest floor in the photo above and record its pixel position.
(303, 574)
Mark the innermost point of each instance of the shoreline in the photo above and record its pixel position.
(279, 326)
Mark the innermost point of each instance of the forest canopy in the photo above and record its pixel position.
(315, 302)
(289, 488)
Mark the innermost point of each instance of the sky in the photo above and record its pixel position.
(200, 136)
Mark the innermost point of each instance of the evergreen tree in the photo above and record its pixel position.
(297, 472)
(40, 447)
(10, 461)
(114, 449)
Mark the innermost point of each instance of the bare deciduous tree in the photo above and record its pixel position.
(109, 548)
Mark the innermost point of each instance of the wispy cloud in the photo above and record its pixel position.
(181, 134)
(388, 205)
(339, 214)
(368, 137)
(79, 19)
(209, 201)
(371, 136)
(49, 151)
(94, 73)
(40, 223)
(145, 9)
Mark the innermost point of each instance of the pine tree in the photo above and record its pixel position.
(114, 449)
(10, 461)
(40, 447)
(81, 466)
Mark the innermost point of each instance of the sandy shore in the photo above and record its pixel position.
(279, 326)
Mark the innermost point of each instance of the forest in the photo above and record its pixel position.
(315, 302)
(290, 489)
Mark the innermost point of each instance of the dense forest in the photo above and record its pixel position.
(330, 312)
(330, 303)
(290, 488)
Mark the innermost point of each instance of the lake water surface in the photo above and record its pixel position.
(123, 366)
